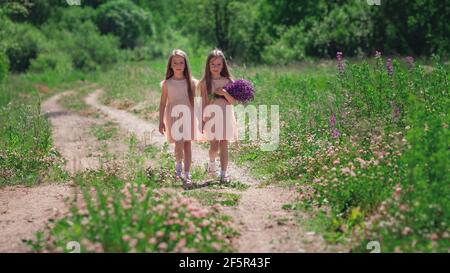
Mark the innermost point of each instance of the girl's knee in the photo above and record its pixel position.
(178, 147)
(214, 145)
(223, 143)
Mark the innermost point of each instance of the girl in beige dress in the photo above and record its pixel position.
(176, 114)
(214, 97)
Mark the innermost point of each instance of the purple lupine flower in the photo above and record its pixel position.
(377, 54)
(334, 131)
(340, 61)
(409, 62)
(395, 111)
(241, 90)
(389, 67)
(333, 120)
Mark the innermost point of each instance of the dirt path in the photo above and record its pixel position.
(263, 224)
(25, 210)
(70, 137)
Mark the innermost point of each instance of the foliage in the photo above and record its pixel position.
(125, 20)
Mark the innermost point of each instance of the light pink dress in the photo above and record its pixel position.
(228, 121)
(177, 94)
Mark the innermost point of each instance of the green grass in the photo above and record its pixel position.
(75, 101)
(233, 184)
(382, 179)
(352, 176)
(209, 198)
(308, 93)
(27, 155)
(135, 219)
(105, 131)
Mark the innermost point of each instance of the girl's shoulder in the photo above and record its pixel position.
(202, 83)
(163, 83)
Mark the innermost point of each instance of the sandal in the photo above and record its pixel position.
(187, 183)
(178, 170)
(211, 167)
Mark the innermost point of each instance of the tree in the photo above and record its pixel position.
(126, 20)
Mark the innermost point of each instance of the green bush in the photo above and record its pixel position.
(91, 49)
(289, 48)
(23, 43)
(72, 18)
(57, 61)
(35, 12)
(4, 66)
(347, 28)
(86, 47)
(125, 20)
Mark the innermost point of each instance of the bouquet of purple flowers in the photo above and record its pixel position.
(241, 90)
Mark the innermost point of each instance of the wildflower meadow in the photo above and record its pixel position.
(362, 114)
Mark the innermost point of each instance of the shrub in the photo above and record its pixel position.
(57, 61)
(35, 12)
(23, 43)
(4, 66)
(86, 47)
(289, 48)
(125, 20)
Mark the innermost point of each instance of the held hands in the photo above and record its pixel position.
(162, 128)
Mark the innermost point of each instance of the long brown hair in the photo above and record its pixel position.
(186, 72)
(215, 53)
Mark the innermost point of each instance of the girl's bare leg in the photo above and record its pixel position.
(213, 149)
(223, 155)
(178, 151)
(187, 156)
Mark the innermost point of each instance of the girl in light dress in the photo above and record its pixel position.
(177, 100)
(224, 129)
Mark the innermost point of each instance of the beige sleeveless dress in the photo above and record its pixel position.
(176, 129)
(227, 122)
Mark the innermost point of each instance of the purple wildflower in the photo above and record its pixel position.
(241, 90)
(409, 62)
(390, 69)
(395, 111)
(333, 120)
(340, 61)
(334, 131)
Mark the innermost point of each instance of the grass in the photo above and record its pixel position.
(105, 131)
(362, 174)
(75, 101)
(382, 179)
(210, 198)
(233, 184)
(137, 214)
(27, 155)
(135, 219)
(352, 176)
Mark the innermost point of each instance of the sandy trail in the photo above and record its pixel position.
(25, 210)
(263, 224)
